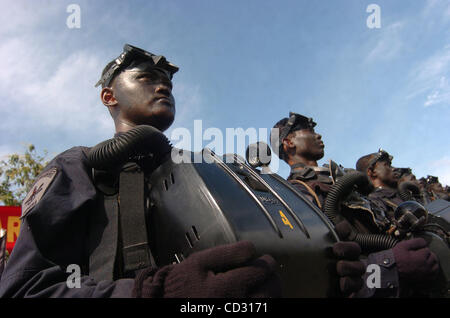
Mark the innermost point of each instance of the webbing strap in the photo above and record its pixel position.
(135, 250)
(311, 191)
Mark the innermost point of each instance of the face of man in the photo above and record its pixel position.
(144, 96)
(436, 187)
(408, 178)
(308, 144)
(385, 173)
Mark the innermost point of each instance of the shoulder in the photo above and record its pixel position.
(75, 155)
(66, 179)
(58, 206)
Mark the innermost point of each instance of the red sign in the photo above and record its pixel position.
(10, 221)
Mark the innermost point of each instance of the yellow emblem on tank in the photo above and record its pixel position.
(285, 220)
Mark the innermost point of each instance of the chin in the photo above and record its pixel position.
(161, 117)
(163, 121)
(320, 156)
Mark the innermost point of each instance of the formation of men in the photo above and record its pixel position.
(300, 146)
(74, 220)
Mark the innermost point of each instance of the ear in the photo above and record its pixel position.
(107, 97)
(371, 173)
(287, 145)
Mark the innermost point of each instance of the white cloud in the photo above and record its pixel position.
(388, 44)
(439, 95)
(68, 100)
(441, 169)
(430, 77)
(55, 95)
(23, 16)
(437, 11)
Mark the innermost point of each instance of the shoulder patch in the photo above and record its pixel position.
(38, 190)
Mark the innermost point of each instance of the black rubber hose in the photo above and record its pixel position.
(375, 242)
(140, 140)
(408, 191)
(341, 189)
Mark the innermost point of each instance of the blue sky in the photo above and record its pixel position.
(242, 64)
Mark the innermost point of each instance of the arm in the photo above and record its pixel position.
(53, 233)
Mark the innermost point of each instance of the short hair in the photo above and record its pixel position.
(277, 145)
(363, 163)
(285, 127)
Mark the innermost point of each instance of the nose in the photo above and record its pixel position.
(163, 88)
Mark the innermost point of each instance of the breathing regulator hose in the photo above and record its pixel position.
(141, 140)
(341, 189)
(408, 191)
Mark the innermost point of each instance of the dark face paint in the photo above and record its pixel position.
(436, 187)
(144, 95)
(308, 144)
(385, 173)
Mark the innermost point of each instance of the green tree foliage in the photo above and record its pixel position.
(17, 175)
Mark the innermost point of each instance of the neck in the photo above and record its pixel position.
(122, 126)
(379, 184)
(295, 160)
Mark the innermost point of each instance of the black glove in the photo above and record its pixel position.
(416, 263)
(224, 271)
(349, 268)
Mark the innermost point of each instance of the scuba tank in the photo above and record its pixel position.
(198, 204)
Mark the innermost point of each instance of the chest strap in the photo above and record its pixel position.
(311, 191)
(118, 232)
(135, 246)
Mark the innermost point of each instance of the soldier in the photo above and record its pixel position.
(301, 147)
(405, 176)
(378, 168)
(410, 262)
(435, 189)
(58, 232)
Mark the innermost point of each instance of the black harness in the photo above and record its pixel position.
(119, 245)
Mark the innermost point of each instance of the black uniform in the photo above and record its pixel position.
(386, 199)
(55, 234)
(314, 182)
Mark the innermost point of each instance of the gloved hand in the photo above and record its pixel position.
(349, 268)
(416, 263)
(224, 271)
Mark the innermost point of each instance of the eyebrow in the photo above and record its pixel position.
(139, 71)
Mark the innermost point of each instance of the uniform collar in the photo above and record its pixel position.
(303, 172)
(387, 191)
